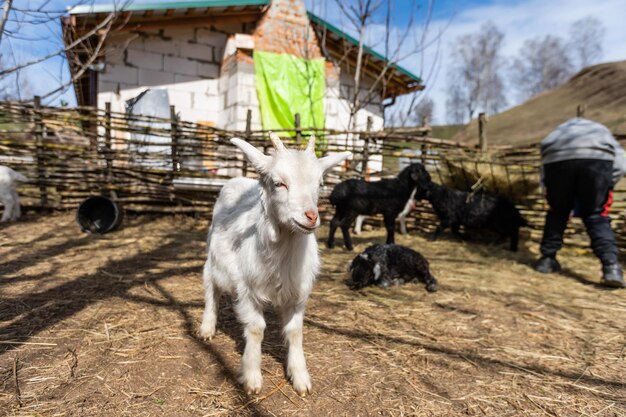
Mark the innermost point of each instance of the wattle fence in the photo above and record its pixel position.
(168, 165)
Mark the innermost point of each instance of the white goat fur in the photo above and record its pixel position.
(358, 224)
(261, 249)
(8, 193)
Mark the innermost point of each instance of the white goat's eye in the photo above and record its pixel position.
(279, 184)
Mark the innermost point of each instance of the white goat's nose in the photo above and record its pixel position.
(311, 215)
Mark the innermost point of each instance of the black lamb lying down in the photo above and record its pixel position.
(384, 265)
(388, 197)
(457, 208)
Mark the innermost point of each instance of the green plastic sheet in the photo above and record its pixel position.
(287, 85)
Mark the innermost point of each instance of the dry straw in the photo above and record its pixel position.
(491, 174)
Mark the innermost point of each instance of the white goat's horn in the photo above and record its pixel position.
(278, 144)
(310, 147)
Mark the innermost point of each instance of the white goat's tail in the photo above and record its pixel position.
(16, 176)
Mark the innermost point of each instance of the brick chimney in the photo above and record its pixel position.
(285, 28)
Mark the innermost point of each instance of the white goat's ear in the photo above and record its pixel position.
(330, 161)
(257, 158)
(310, 146)
(277, 143)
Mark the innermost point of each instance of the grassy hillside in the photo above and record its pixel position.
(445, 131)
(601, 88)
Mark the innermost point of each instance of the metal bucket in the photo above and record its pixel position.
(98, 215)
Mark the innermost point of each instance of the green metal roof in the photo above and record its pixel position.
(136, 7)
(316, 19)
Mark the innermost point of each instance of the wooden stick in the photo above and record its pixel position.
(18, 396)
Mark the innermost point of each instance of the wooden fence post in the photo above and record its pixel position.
(298, 130)
(248, 137)
(174, 131)
(580, 110)
(482, 132)
(108, 156)
(39, 134)
(366, 147)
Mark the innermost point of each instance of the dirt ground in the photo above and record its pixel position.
(106, 325)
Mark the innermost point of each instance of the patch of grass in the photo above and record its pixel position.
(159, 401)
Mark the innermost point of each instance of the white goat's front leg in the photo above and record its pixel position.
(211, 304)
(251, 315)
(358, 224)
(292, 317)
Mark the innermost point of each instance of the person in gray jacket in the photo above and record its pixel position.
(581, 163)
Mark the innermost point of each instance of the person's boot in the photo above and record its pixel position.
(547, 264)
(612, 276)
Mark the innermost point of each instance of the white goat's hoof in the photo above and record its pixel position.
(301, 382)
(252, 382)
(207, 330)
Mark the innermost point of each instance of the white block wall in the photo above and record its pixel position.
(184, 61)
(338, 95)
(238, 88)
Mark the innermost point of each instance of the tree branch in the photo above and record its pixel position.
(5, 16)
(108, 20)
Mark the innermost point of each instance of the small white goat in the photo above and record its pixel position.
(8, 193)
(262, 250)
(410, 204)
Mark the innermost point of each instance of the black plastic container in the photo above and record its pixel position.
(98, 215)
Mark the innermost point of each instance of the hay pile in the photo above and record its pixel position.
(487, 173)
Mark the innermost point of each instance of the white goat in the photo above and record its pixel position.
(8, 193)
(262, 250)
(410, 204)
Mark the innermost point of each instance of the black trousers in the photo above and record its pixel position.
(583, 185)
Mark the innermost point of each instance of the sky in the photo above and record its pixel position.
(518, 20)
(522, 20)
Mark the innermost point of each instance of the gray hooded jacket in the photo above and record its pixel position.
(580, 138)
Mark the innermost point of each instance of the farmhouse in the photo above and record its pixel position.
(216, 59)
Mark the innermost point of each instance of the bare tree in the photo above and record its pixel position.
(542, 64)
(585, 42)
(24, 24)
(455, 111)
(423, 111)
(474, 75)
(404, 33)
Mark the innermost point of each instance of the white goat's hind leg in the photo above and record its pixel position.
(292, 317)
(211, 304)
(17, 212)
(358, 224)
(251, 315)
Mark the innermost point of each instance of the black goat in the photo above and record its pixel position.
(457, 208)
(388, 197)
(385, 265)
